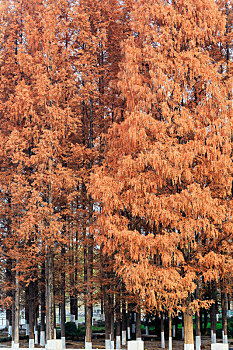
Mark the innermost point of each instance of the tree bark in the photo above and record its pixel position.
(107, 319)
(43, 308)
(188, 329)
(213, 323)
(162, 332)
(9, 294)
(228, 302)
(31, 314)
(224, 317)
(138, 325)
(112, 322)
(205, 321)
(201, 320)
(89, 297)
(170, 333)
(63, 305)
(124, 321)
(16, 319)
(118, 323)
(13, 323)
(128, 324)
(49, 295)
(198, 331)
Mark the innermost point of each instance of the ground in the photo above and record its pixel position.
(99, 344)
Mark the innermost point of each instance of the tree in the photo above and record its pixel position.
(163, 198)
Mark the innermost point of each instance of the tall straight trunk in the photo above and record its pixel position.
(9, 294)
(198, 331)
(43, 308)
(188, 330)
(13, 322)
(201, 320)
(128, 323)
(36, 310)
(101, 303)
(174, 326)
(55, 319)
(169, 332)
(36, 324)
(73, 306)
(49, 269)
(228, 302)
(63, 305)
(162, 332)
(88, 324)
(224, 317)
(9, 321)
(118, 323)
(85, 275)
(112, 322)
(27, 309)
(76, 279)
(107, 319)
(49, 264)
(197, 320)
(205, 321)
(138, 325)
(182, 335)
(16, 318)
(31, 314)
(124, 321)
(133, 321)
(89, 298)
(213, 323)
(72, 284)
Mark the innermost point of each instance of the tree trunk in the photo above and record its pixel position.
(213, 323)
(31, 314)
(88, 327)
(170, 333)
(49, 295)
(102, 303)
(138, 325)
(201, 320)
(9, 321)
(63, 306)
(205, 321)
(188, 330)
(228, 303)
(107, 319)
(112, 322)
(128, 324)
(224, 317)
(9, 294)
(124, 322)
(133, 322)
(88, 342)
(198, 331)
(42, 304)
(36, 310)
(182, 334)
(162, 332)
(55, 320)
(118, 323)
(174, 327)
(197, 319)
(76, 283)
(72, 304)
(36, 324)
(13, 323)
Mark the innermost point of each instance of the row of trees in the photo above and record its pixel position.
(116, 160)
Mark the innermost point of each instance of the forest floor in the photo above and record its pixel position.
(148, 345)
